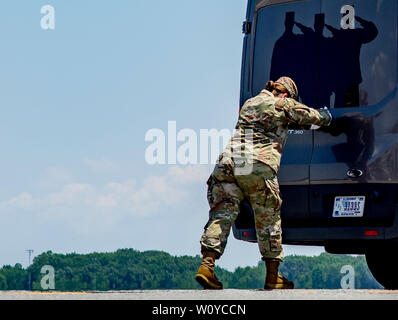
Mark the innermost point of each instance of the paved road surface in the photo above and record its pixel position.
(228, 294)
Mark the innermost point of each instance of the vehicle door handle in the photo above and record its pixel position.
(354, 173)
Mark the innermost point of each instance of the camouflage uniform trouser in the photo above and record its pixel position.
(225, 193)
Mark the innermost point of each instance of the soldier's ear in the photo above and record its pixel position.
(284, 95)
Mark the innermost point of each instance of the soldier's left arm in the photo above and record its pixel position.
(302, 115)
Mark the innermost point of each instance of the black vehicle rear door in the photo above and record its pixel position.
(283, 38)
(357, 80)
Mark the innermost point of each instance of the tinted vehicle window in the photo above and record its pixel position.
(339, 55)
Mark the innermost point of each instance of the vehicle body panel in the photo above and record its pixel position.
(349, 66)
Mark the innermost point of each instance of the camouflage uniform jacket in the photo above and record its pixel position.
(263, 124)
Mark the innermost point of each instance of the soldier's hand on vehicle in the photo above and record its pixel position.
(328, 111)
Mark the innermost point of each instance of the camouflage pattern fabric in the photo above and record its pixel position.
(226, 191)
(247, 168)
(261, 188)
(290, 86)
(224, 197)
(263, 124)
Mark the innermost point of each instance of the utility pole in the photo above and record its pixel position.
(29, 251)
(95, 274)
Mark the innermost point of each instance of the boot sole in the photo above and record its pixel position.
(278, 287)
(205, 283)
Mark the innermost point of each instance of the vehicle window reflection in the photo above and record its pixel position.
(332, 66)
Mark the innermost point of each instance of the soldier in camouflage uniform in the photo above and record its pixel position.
(247, 168)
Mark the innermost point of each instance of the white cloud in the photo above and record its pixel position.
(189, 174)
(53, 177)
(89, 208)
(71, 194)
(145, 214)
(23, 200)
(377, 68)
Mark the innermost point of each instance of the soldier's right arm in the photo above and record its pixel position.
(334, 31)
(369, 31)
(300, 114)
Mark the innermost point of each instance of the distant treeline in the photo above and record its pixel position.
(128, 269)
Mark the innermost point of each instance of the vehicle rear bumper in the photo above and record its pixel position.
(321, 236)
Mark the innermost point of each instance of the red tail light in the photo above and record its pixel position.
(246, 233)
(371, 233)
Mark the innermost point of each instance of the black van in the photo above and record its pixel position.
(339, 185)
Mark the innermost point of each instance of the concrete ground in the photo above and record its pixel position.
(227, 294)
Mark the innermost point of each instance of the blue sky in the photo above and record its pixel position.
(76, 103)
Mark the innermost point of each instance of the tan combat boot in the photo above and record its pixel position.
(206, 275)
(274, 280)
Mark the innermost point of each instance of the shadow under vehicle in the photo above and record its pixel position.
(339, 185)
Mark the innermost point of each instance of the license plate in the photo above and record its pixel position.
(351, 206)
